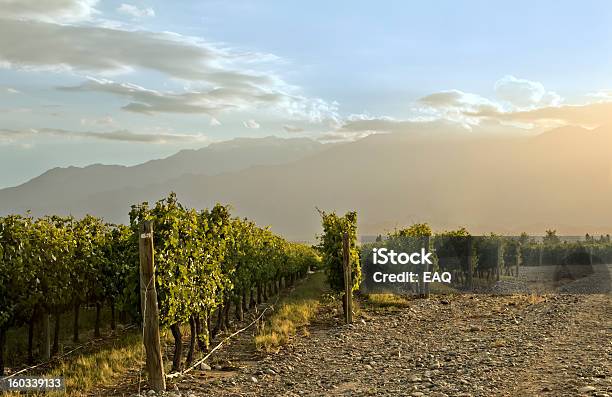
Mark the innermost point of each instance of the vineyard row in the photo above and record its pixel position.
(205, 261)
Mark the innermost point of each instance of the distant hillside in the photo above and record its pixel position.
(561, 179)
(58, 186)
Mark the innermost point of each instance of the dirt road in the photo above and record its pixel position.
(448, 346)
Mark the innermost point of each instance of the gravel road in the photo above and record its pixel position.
(470, 345)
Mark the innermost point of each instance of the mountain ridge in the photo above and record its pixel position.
(506, 184)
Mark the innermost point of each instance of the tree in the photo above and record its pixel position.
(551, 238)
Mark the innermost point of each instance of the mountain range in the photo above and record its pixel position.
(561, 179)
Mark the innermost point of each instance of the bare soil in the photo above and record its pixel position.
(463, 345)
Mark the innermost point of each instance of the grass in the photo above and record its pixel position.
(387, 300)
(97, 362)
(17, 337)
(103, 366)
(526, 299)
(295, 311)
(442, 289)
(88, 371)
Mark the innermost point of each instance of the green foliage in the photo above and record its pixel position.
(416, 230)
(512, 251)
(14, 267)
(330, 245)
(451, 249)
(205, 258)
(551, 238)
(553, 251)
(202, 259)
(524, 239)
(409, 239)
(490, 250)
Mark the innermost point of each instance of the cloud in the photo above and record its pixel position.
(101, 121)
(343, 136)
(209, 102)
(136, 12)
(453, 105)
(49, 46)
(532, 107)
(527, 106)
(292, 128)
(588, 115)
(214, 122)
(455, 99)
(10, 90)
(315, 110)
(48, 10)
(10, 135)
(217, 78)
(212, 101)
(601, 95)
(16, 110)
(412, 127)
(423, 128)
(252, 124)
(524, 93)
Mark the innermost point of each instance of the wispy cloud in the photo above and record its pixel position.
(343, 136)
(48, 10)
(601, 95)
(292, 128)
(209, 102)
(98, 121)
(11, 135)
(216, 78)
(251, 124)
(50, 46)
(588, 115)
(524, 93)
(136, 12)
(522, 105)
(236, 96)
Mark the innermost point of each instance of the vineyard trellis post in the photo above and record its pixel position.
(348, 285)
(540, 254)
(499, 258)
(518, 258)
(150, 311)
(470, 263)
(427, 246)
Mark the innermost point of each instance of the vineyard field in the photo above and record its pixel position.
(242, 311)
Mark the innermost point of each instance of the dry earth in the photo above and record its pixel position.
(466, 345)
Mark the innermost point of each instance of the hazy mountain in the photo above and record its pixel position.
(561, 179)
(59, 185)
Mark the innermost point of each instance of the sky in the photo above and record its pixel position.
(122, 82)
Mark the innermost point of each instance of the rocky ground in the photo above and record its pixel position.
(471, 345)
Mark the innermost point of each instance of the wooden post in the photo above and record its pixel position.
(470, 263)
(518, 258)
(150, 312)
(540, 248)
(426, 244)
(348, 285)
(499, 259)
